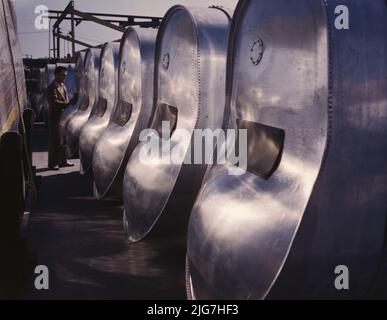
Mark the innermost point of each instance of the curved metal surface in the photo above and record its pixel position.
(78, 88)
(189, 91)
(12, 12)
(100, 115)
(39, 96)
(13, 101)
(48, 79)
(325, 204)
(80, 117)
(42, 81)
(12, 81)
(50, 74)
(132, 112)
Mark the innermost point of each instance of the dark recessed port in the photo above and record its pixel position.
(164, 113)
(124, 113)
(101, 107)
(264, 147)
(85, 103)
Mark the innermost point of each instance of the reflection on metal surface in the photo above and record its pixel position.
(12, 80)
(189, 89)
(79, 90)
(49, 76)
(108, 91)
(91, 74)
(132, 113)
(39, 97)
(13, 101)
(325, 205)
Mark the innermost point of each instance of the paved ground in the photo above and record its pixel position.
(82, 243)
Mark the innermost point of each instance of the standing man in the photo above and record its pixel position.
(58, 100)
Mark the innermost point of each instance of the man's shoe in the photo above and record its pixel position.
(53, 168)
(66, 165)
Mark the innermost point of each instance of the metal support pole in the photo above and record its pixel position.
(58, 45)
(72, 30)
(53, 43)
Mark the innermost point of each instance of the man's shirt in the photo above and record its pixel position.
(57, 96)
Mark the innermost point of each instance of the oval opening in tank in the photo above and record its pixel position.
(124, 113)
(165, 113)
(264, 147)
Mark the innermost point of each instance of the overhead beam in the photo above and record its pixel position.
(154, 22)
(72, 35)
(75, 40)
(111, 15)
(97, 20)
(63, 14)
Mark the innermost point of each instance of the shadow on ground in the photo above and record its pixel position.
(82, 243)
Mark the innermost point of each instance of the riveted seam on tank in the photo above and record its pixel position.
(198, 64)
(330, 91)
(199, 79)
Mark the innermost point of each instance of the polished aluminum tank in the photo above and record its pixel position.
(13, 94)
(48, 79)
(50, 73)
(313, 99)
(189, 93)
(13, 101)
(100, 115)
(38, 97)
(132, 113)
(80, 117)
(78, 96)
(41, 85)
(12, 10)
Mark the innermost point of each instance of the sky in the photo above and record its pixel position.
(35, 43)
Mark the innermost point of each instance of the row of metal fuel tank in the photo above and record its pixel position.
(16, 172)
(308, 87)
